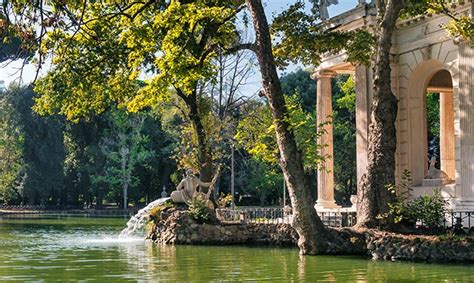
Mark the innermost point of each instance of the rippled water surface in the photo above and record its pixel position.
(62, 248)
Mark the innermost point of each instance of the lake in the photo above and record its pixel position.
(59, 248)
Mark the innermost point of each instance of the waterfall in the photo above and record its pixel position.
(140, 219)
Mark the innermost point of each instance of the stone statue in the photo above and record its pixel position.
(187, 188)
(434, 173)
(164, 194)
(323, 8)
(435, 176)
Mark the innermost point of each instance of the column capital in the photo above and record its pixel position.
(325, 73)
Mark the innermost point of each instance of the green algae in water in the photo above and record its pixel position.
(59, 248)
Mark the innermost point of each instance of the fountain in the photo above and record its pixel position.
(139, 220)
(185, 191)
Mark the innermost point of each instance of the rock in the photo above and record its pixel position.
(177, 227)
(371, 246)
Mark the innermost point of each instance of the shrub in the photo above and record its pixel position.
(429, 209)
(198, 209)
(224, 200)
(155, 213)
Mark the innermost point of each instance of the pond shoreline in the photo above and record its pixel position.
(98, 212)
(178, 227)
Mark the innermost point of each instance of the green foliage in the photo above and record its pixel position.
(11, 151)
(256, 134)
(344, 132)
(264, 181)
(155, 213)
(463, 27)
(99, 64)
(198, 209)
(124, 147)
(300, 84)
(177, 124)
(224, 200)
(35, 153)
(458, 26)
(432, 113)
(428, 209)
(301, 38)
(46, 160)
(348, 100)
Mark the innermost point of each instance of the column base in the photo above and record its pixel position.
(326, 204)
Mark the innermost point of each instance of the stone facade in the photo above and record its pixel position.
(425, 59)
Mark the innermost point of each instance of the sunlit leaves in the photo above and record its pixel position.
(256, 133)
(98, 62)
(301, 37)
(459, 25)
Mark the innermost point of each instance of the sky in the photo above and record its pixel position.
(9, 73)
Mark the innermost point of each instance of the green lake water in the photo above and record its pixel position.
(71, 248)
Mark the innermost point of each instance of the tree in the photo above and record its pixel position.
(124, 147)
(300, 84)
(103, 48)
(373, 196)
(33, 150)
(11, 151)
(310, 229)
(175, 41)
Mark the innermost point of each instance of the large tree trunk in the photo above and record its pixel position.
(203, 155)
(373, 197)
(311, 231)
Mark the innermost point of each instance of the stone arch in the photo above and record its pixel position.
(417, 129)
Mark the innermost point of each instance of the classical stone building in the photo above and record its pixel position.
(425, 59)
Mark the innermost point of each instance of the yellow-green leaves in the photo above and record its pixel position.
(459, 25)
(99, 61)
(300, 37)
(463, 27)
(256, 133)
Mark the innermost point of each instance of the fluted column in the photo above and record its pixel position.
(466, 115)
(446, 127)
(363, 88)
(325, 140)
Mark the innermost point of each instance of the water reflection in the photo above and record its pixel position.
(78, 249)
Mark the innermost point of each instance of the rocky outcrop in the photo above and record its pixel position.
(390, 246)
(175, 226)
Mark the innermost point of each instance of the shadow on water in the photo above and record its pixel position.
(76, 248)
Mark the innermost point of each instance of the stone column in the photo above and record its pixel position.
(324, 114)
(363, 88)
(446, 135)
(466, 115)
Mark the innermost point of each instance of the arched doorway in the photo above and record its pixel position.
(431, 77)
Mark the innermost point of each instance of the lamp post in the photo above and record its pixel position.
(232, 176)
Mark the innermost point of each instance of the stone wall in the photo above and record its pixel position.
(390, 246)
(177, 227)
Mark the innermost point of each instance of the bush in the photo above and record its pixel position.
(224, 200)
(429, 209)
(199, 210)
(155, 213)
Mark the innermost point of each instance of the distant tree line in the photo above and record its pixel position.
(49, 160)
